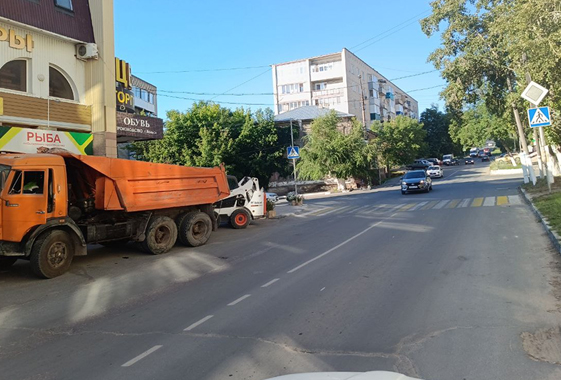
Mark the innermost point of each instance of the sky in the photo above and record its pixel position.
(227, 46)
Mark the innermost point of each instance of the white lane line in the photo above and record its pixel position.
(322, 289)
(514, 200)
(394, 209)
(489, 201)
(141, 356)
(337, 246)
(239, 300)
(440, 204)
(329, 212)
(418, 206)
(270, 282)
(465, 203)
(198, 323)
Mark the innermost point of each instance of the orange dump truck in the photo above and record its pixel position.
(53, 205)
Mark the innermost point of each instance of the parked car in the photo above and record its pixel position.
(273, 197)
(416, 180)
(447, 159)
(469, 161)
(485, 158)
(435, 171)
(419, 164)
(454, 162)
(435, 161)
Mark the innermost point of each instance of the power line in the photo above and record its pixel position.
(241, 84)
(202, 70)
(414, 75)
(426, 88)
(389, 30)
(203, 100)
(217, 93)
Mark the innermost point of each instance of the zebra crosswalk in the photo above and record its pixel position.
(502, 200)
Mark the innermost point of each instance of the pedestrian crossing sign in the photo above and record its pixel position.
(293, 152)
(539, 117)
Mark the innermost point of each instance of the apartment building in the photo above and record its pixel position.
(343, 82)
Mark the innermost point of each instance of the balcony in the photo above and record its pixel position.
(326, 71)
(327, 92)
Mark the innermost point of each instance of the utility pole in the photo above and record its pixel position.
(363, 105)
(541, 145)
(527, 169)
(293, 160)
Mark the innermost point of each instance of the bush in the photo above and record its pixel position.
(292, 197)
(502, 165)
(270, 205)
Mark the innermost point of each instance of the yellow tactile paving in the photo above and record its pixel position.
(429, 205)
(477, 202)
(407, 207)
(502, 200)
(453, 203)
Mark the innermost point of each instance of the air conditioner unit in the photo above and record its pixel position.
(86, 51)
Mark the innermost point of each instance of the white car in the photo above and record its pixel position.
(435, 171)
(273, 197)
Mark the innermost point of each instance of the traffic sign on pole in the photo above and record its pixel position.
(293, 152)
(539, 117)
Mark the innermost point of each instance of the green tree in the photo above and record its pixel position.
(477, 125)
(330, 152)
(208, 135)
(437, 125)
(399, 141)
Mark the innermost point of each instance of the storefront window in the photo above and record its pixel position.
(13, 76)
(59, 86)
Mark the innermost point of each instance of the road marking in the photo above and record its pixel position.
(429, 205)
(342, 209)
(331, 209)
(453, 203)
(514, 200)
(477, 202)
(407, 206)
(396, 208)
(141, 356)
(337, 246)
(489, 201)
(419, 205)
(465, 203)
(270, 282)
(198, 323)
(239, 300)
(440, 204)
(322, 289)
(313, 212)
(352, 209)
(502, 200)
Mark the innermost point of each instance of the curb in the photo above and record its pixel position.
(555, 239)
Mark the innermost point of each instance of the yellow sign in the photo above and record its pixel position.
(123, 73)
(1, 106)
(15, 41)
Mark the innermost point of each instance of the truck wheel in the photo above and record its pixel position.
(6, 262)
(161, 235)
(52, 254)
(239, 219)
(195, 229)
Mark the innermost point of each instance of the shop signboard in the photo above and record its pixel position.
(27, 140)
(139, 127)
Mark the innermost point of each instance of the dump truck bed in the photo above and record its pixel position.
(140, 186)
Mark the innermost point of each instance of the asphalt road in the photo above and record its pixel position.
(460, 283)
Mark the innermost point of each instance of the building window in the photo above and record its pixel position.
(59, 86)
(64, 4)
(13, 76)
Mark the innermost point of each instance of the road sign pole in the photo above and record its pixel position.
(539, 153)
(547, 159)
(293, 160)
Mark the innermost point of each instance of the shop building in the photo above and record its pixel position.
(58, 79)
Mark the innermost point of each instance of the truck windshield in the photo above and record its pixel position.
(4, 171)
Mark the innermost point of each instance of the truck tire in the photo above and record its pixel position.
(240, 219)
(51, 254)
(161, 235)
(6, 262)
(195, 229)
